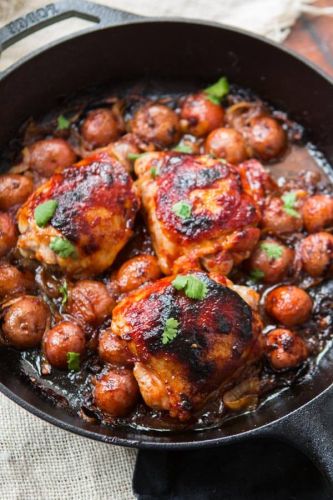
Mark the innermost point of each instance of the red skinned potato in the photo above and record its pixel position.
(115, 392)
(288, 305)
(8, 233)
(137, 271)
(64, 338)
(285, 349)
(156, 123)
(100, 127)
(265, 138)
(199, 115)
(317, 212)
(90, 302)
(315, 253)
(112, 349)
(14, 190)
(13, 281)
(48, 155)
(271, 261)
(277, 219)
(226, 143)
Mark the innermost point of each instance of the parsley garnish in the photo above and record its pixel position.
(193, 287)
(272, 250)
(170, 330)
(183, 209)
(134, 156)
(153, 172)
(183, 148)
(62, 247)
(218, 90)
(289, 200)
(44, 212)
(256, 275)
(63, 289)
(73, 361)
(63, 123)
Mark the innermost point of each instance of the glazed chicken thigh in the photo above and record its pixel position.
(197, 207)
(90, 218)
(185, 348)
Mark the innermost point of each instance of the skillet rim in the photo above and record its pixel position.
(148, 442)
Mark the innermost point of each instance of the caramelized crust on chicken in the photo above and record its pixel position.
(220, 214)
(216, 338)
(96, 208)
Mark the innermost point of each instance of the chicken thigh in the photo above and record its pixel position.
(185, 349)
(90, 217)
(198, 211)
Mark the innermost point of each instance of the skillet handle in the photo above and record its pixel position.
(58, 11)
(310, 429)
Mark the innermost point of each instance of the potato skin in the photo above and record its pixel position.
(276, 220)
(316, 254)
(112, 349)
(156, 123)
(274, 269)
(288, 305)
(115, 392)
(14, 190)
(25, 321)
(226, 143)
(317, 212)
(48, 155)
(137, 271)
(8, 233)
(90, 302)
(63, 338)
(13, 281)
(266, 138)
(100, 127)
(199, 115)
(285, 349)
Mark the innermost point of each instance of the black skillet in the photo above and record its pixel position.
(121, 47)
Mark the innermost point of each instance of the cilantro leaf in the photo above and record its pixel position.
(63, 123)
(183, 148)
(170, 330)
(218, 90)
(153, 172)
(272, 250)
(193, 287)
(256, 274)
(290, 200)
(44, 212)
(73, 361)
(134, 156)
(63, 289)
(62, 247)
(183, 209)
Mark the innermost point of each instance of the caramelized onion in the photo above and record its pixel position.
(243, 396)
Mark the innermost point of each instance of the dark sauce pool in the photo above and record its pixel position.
(303, 166)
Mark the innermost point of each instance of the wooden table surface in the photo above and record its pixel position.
(312, 37)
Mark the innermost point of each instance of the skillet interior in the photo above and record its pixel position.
(175, 51)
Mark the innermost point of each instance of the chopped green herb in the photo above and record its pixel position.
(62, 247)
(193, 287)
(256, 274)
(218, 90)
(63, 289)
(73, 361)
(183, 148)
(183, 209)
(63, 123)
(170, 330)
(134, 156)
(153, 172)
(44, 212)
(272, 250)
(290, 200)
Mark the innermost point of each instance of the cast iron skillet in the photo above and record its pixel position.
(124, 47)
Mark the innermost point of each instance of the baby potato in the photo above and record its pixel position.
(137, 271)
(199, 115)
(25, 321)
(8, 233)
(112, 349)
(226, 143)
(13, 281)
(90, 302)
(100, 127)
(266, 138)
(156, 123)
(276, 219)
(63, 338)
(14, 190)
(288, 305)
(115, 392)
(285, 349)
(48, 155)
(316, 254)
(317, 212)
(272, 259)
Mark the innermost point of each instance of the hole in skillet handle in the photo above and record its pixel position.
(310, 430)
(54, 12)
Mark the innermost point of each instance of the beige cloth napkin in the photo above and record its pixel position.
(39, 461)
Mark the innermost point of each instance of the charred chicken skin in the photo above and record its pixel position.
(196, 207)
(95, 204)
(214, 338)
